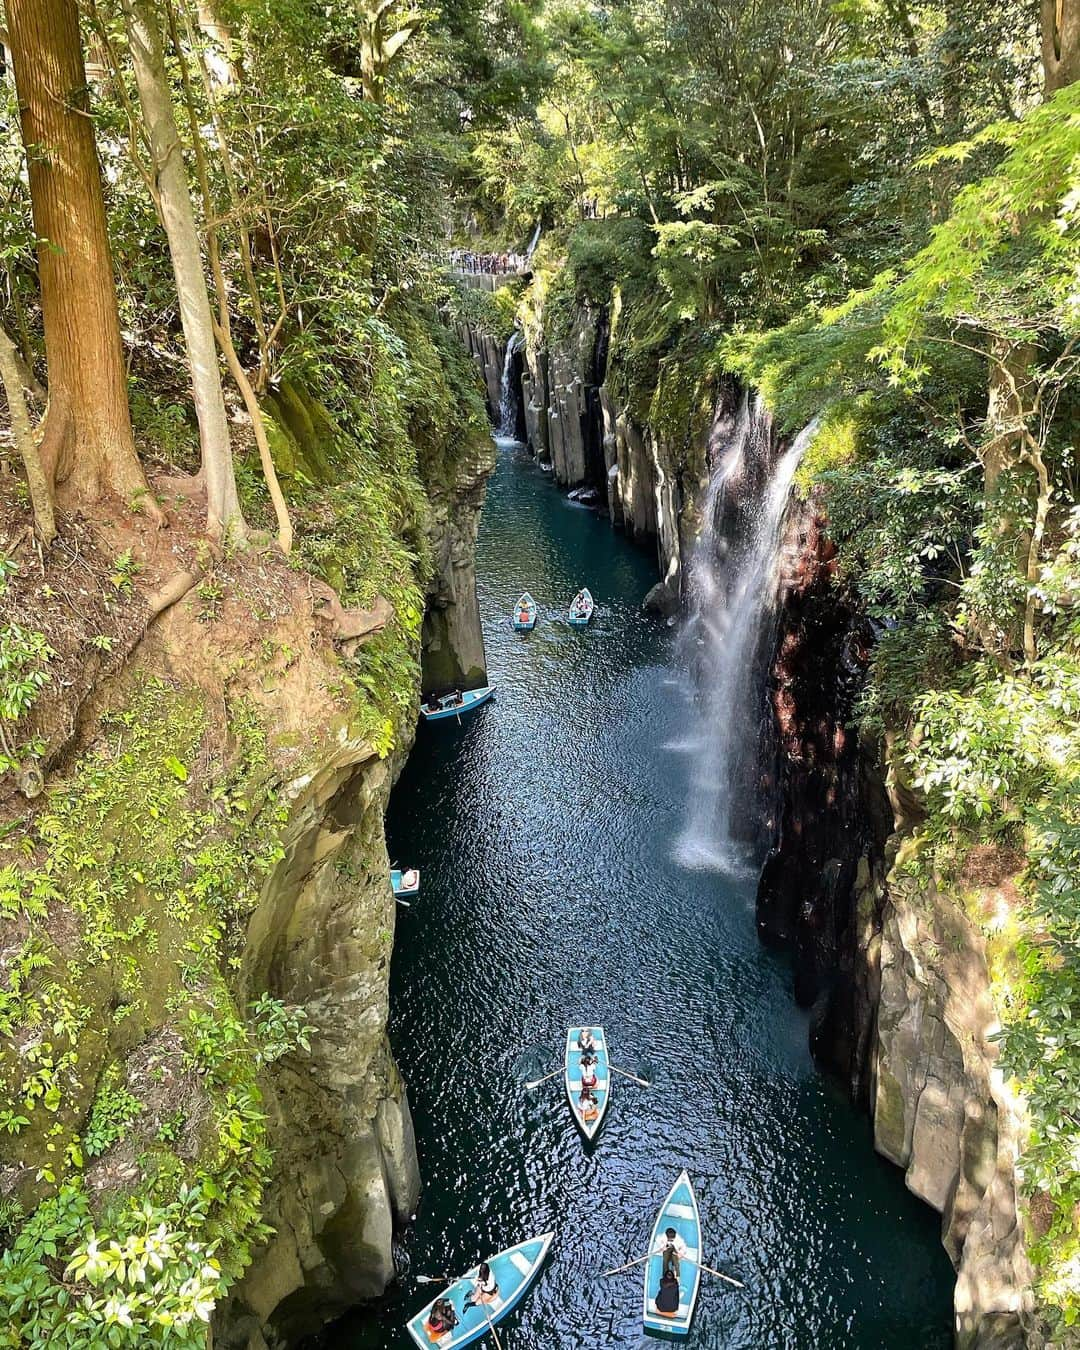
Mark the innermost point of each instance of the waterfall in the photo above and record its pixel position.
(533, 242)
(508, 396)
(733, 577)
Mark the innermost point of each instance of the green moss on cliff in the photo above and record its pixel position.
(135, 1130)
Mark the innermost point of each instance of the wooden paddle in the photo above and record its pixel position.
(399, 901)
(434, 1279)
(635, 1262)
(491, 1327)
(546, 1078)
(720, 1275)
(633, 1077)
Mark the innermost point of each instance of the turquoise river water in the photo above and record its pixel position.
(545, 830)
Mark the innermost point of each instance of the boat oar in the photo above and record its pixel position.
(718, 1273)
(403, 902)
(433, 1279)
(635, 1262)
(491, 1327)
(633, 1077)
(535, 1083)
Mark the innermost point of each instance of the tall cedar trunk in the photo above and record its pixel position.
(1060, 43)
(87, 448)
(174, 201)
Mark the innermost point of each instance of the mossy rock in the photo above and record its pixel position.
(308, 435)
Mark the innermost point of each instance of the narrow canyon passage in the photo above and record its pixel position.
(546, 831)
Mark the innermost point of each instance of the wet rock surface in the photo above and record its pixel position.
(894, 970)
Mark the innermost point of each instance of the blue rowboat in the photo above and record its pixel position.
(455, 703)
(588, 1120)
(679, 1211)
(526, 613)
(405, 883)
(581, 608)
(514, 1271)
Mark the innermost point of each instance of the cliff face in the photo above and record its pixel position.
(942, 1111)
(895, 970)
(581, 421)
(196, 1010)
(345, 1169)
(453, 643)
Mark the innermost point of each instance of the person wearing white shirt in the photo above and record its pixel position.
(673, 1248)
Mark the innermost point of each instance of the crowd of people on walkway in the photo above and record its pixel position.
(465, 260)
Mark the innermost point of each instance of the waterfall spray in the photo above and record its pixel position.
(733, 579)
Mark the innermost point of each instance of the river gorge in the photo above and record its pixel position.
(546, 830)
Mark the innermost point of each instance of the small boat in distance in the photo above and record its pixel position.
(435, 707)
(405, 883)
(526, 612)
(588, 1117)
(581, 608)
(679, 1211)
(514, 1271)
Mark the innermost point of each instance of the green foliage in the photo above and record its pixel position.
(154, 874)
(114, 1109)
(147, 1279)
(489, 312)
(24, 658)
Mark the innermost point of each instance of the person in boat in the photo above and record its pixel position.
(410, 879)
(667, 1296)
(672, 1247)
(457, 698)
(433, 703)
(588, 1105)
(442, 1317)
(485, 1289)
(588, 1071)
(585, 1042)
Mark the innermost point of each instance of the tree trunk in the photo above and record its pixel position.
(40, 496)
(1060, 43)
(87, 448)
(174, 202)
(1006, 408)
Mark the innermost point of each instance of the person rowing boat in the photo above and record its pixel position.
(673, 1248)
(485, 1288)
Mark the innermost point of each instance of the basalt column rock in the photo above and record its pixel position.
(576, 364)
(831, 814)
(345, 1168)
(489, 356)
(534, 398)
(943, 1112)
(453, 640)
(895, 969)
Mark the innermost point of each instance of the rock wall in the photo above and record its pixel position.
(452, 639)
(345, 1167)
(561, 394)
(895, 971)
(942, 1110)
(489, 356)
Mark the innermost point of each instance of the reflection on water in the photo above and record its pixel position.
(543, 827)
